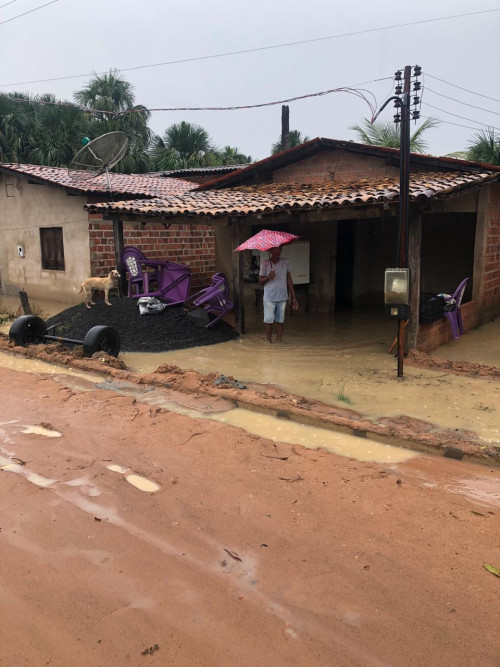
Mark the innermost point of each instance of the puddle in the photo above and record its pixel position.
(325, 358)
(277, 429)
(482, 489)
(29, 365)
(142, 483)
(280, 430)
(41, 430)
(32, 477)
(116, 468)
(460, 477)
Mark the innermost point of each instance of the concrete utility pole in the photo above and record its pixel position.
(404, 197)
(402, 102)
(285, 127)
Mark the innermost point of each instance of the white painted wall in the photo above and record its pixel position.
(24, 208)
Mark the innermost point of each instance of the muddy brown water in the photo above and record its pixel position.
(343, 360)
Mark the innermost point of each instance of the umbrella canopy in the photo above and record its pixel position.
(267, 239)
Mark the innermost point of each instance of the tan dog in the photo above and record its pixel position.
(102, 284)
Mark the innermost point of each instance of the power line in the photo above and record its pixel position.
(464, 103)
(493, 99)
(462, 117)
(254, 50)
(8, 3)
(449, 122)
(28, 12)
(353, 90)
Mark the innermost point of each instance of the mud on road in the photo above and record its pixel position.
(132, 534)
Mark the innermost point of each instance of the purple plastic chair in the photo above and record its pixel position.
(136, 266)
(164, 280)
(214, 298)
(453, 303)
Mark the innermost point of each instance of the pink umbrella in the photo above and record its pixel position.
(267, 239)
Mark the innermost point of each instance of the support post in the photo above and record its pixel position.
(285, 127)
(118, 247)
(239, 306)
(414, 259)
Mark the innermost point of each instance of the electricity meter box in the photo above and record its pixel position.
(397, 286)
(397, 293)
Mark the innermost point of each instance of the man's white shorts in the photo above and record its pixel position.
(274, 311)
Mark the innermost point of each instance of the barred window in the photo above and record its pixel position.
(51, 241)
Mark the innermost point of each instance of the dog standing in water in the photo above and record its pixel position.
(102, 284)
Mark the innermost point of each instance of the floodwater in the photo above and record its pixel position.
(480, 345)
(343, 360)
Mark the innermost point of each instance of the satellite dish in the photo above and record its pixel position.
(98, 157)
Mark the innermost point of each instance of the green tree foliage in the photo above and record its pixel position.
(485, 147)
(296, 139)
(39, 129)
(387, 134)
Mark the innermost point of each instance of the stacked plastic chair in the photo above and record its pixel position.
(214, 298)
(452, 309)
(172, 282)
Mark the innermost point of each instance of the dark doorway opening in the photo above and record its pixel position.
(344, 277)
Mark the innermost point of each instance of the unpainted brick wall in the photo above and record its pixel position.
(192, 245)
(491, 279)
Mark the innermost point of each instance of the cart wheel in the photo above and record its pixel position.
(27, 329)
(101, 339)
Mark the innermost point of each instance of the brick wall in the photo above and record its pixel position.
(433, 334)
(338, 165)
(193, 245)
(490, 301)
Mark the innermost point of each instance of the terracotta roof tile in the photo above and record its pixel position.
(247, 200)
(143, 185)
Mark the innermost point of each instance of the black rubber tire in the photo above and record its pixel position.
(101, 339)
(27, 329)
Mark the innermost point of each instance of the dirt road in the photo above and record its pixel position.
(249, 553)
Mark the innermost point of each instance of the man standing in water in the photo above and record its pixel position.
(277, 280)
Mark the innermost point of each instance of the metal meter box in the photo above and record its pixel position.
(397, 286)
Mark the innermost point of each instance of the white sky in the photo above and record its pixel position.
(73, 37)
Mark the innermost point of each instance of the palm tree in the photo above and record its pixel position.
(296, 139)
(388, 134)
(231, 155)
(485, 147)
(55, 133)
(111, 93)
(13, 127)
(184, 145)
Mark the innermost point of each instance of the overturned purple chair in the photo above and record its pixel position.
(214, 298)
(164, 280)
(452, 303)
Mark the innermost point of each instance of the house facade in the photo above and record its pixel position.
(49, 244)
(343, 198)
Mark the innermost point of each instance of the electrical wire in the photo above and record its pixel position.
(59, 224)
(493, 99)
(352, 90)
(35, 9)
(462, 117)
(449, 122)
(8, 3)
(254, 50)
(464, 103)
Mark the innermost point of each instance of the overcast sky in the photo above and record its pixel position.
(71, 37)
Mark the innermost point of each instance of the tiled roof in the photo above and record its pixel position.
(268, 198)
(268, 165)
(202, 171)
(142, 185)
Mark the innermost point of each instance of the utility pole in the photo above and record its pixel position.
(285, 127)
(402, 102)
(404, 197)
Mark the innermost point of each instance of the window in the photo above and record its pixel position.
(51, 241)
